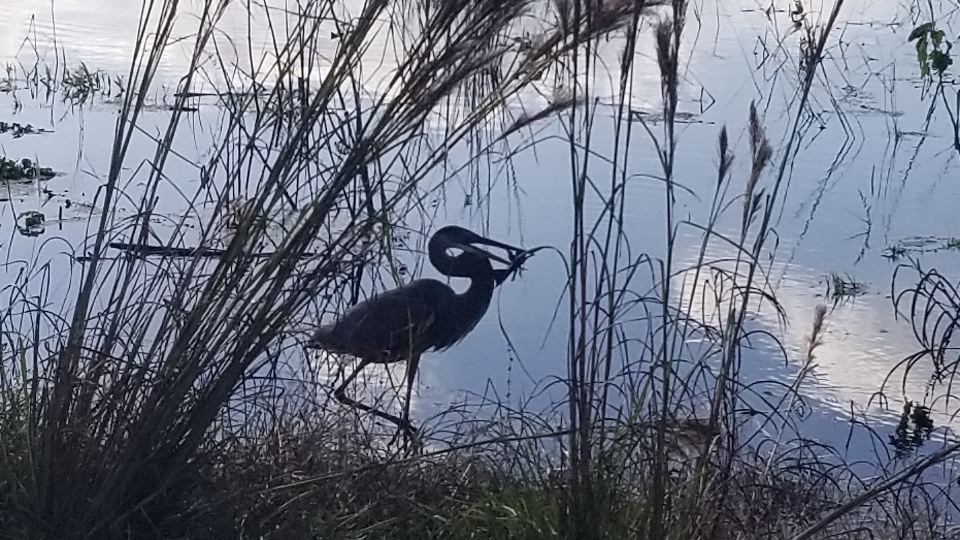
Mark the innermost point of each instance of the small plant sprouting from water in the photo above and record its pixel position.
(933, 51)
(75, 86)
(894, 252)
(841, 287)
(80, 84)
(934, 59)
(906, 439)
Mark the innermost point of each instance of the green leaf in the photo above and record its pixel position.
(920, 31)
(940, 62)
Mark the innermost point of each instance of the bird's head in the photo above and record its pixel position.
(453, 237)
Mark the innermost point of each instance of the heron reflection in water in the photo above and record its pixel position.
(403, 323)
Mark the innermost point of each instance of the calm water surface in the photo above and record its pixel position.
(854, 189)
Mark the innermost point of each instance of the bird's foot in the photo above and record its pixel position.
(410, 435)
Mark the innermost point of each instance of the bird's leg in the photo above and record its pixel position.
(405, 427)
(412, 366)
(341, 395)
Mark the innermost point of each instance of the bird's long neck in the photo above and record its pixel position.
(476, 299)
(472, 303)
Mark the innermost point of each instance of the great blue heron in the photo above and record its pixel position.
(403, 323)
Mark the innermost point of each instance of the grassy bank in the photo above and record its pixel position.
(169, 398)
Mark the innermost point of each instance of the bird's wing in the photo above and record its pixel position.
(393, 323)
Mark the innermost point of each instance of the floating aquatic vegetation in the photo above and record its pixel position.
(23, 170)
(31, 223)
(19, 130)
(920, 244)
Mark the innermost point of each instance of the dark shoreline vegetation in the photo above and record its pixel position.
(168, 396)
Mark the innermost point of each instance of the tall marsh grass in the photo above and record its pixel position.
(169, 398)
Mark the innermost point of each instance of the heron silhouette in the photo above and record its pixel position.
(403, 323)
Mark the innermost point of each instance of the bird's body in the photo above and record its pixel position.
(414, 318)
(403, 323)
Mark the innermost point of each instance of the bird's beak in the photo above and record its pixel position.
(494, 243)
(511, 250)
(468, 248)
